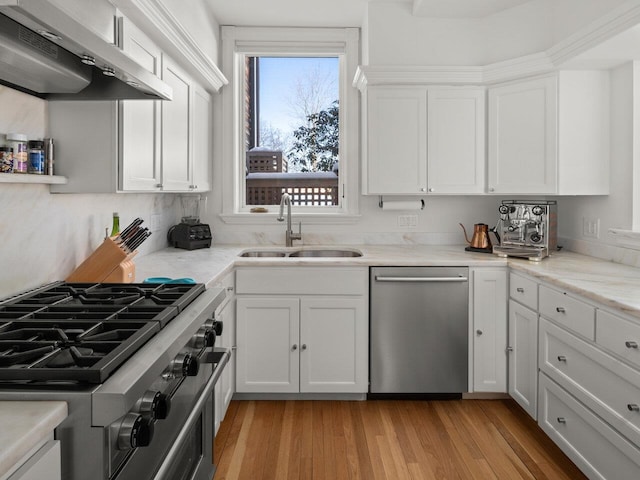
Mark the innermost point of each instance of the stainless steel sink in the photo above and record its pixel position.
(263, 253)
(310, 252)
(326, 252)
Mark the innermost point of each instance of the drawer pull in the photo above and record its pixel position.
(479, 332)
(631, 344)
(294, 347)
(560, 310)
(633, 407)
(562, 358)
(520, 290)
(562, 420)
(509, 349)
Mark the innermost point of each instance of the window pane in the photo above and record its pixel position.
(292, 130)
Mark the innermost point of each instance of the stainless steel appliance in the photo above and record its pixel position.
(136, 364)
(52, 50)
(527, 229)
(419, 331)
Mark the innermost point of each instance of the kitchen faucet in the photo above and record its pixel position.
(290, 236)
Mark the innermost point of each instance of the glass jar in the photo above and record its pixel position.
(6, 160)
(36, 157)
(18, 142)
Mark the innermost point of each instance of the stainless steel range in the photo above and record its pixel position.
(136, 364)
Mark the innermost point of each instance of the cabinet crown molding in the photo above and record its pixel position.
(160, 24)
(555, 58)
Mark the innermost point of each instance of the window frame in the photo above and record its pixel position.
(241, 42)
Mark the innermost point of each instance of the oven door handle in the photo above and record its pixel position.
(194, 415)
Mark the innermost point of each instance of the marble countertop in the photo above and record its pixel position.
(608, 283)
(25, 426)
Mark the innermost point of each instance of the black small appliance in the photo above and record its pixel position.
(190, 236)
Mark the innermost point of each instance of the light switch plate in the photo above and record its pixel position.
(591, 227)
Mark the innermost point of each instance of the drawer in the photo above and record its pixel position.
(303, 280)
(607, 386)
(598, 450)
(568, 311)
(619, 335)
(523, 290)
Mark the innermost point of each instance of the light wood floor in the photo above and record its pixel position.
(392, 440)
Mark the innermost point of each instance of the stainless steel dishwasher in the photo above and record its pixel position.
(419, 331)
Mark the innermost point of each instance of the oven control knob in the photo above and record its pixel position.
(155, 405)
(205, 337)
(135, 431)
(188, 365)
(215, 325)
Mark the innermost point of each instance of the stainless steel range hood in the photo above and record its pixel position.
(44, 51)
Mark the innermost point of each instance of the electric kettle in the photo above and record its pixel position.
(480, 239)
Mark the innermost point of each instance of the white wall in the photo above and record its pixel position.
(614, 210)
(45, 236)
(395, 37)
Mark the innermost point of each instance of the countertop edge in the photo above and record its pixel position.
(26, 424)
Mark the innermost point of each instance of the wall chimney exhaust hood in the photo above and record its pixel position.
(46, 52)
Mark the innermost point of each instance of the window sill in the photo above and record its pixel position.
(306, 218)
(626, 238)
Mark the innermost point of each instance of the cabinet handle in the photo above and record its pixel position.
(491, 189)
(479, 332)
(633, 407)
(295, 347)
(304, 346)
(423, 189)
(561, 420)
(158, 185)
(631, 344)
(431, 190)
(234, 348)
(560, 310)
(229, 289)
(562, 358)
(509, 349)
(520, 290)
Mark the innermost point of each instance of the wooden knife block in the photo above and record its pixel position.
(109, 262)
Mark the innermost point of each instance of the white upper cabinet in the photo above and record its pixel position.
(424, 140)
(456, 140)
(202, 144)
(550, 135)
(139, 159)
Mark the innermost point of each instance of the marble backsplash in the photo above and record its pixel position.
(45, 236)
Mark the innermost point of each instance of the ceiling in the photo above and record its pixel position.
(341, 13)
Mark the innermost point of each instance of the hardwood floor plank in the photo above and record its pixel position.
(386, 440)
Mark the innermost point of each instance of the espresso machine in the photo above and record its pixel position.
(527, 229)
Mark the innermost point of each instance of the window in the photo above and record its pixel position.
(295, 122)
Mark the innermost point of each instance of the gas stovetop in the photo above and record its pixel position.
(81, 332)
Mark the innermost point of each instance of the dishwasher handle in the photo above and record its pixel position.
(380, 278)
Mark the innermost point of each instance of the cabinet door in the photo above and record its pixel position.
(176, 162)
(140, 119)
(396, 148)
(268, 344)
(202, 145)
(523, 137)
(489, 330)
(523, 358)
(226, 386)
(334, 345)
(455, 140)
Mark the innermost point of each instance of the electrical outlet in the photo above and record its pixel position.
(591, 227)
(407, 220)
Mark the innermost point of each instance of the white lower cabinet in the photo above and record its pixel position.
(226, 385)
(297, 342)
(523, 356)
(489, 330)
(597, 449)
